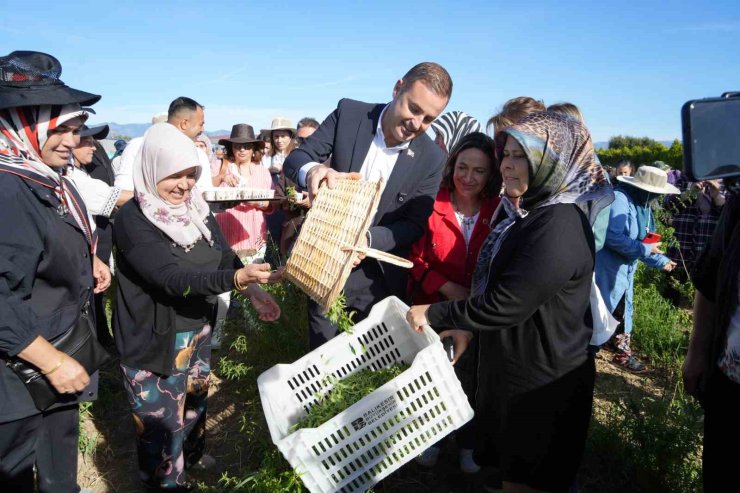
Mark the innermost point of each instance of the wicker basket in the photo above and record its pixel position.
(338, 220)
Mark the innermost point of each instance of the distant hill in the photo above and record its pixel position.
(128, 129)
(132, 130)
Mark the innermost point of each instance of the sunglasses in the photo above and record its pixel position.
(238, 147)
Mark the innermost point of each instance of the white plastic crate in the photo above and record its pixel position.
(383, 431)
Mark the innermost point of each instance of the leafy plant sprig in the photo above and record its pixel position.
(347, 392)
(338, 315)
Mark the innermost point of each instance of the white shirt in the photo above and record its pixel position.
(467, 225)
(270, 161)
(130, 157)
(100, 198)
(379, 161)
(125, 171)
(205, 180)
(116, 163)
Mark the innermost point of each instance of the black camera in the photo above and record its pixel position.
(711, 137)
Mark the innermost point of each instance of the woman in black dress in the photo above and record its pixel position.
(529, 302)
(48, 271)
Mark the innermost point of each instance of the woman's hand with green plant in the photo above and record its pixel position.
(263, 302)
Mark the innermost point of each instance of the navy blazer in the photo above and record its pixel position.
(408, 197)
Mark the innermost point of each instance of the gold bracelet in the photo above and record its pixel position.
(237, 285)
(59, 365)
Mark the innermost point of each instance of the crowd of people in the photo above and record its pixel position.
(512, 232)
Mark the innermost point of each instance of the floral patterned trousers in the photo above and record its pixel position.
(169, 412)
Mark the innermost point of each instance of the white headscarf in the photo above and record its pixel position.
(167, 151)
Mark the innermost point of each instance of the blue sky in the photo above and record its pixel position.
(628, 65)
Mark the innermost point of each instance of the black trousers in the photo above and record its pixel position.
(48, 440)
(721, 403)
(466, 370)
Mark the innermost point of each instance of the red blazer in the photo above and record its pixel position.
(442, 251)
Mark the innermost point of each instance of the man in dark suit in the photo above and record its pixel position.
(373, 141)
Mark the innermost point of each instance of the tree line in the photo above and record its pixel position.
(641, 150)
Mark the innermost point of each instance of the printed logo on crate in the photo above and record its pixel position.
(387, 406)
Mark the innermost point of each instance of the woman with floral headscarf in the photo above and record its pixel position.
(528, 303)
(48, 271)
(172, 261)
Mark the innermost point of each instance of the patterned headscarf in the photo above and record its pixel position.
(23, 133)
(563, 169)
(167, 151)
(453, 126)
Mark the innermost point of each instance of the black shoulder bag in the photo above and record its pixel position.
(79, 343)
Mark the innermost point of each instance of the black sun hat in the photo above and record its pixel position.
(241, 133)
(31, 78)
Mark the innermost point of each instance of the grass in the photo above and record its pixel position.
(648, 438)
(87, 441)
(645, 433)
(661, 329)
(648, 443)
(253, 347)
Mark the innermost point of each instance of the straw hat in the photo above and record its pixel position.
(650, 179)
(282, 123)
(661, 165)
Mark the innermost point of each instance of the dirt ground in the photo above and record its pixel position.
(110, 466)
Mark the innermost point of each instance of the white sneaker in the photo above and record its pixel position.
(429, 457)
(467, 464)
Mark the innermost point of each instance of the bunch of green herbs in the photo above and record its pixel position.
(347, 392)
(339, 316)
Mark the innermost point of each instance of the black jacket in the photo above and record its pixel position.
(160, 288)
(407, 200)
(45, 276)
(533, 320)
(716, 277)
